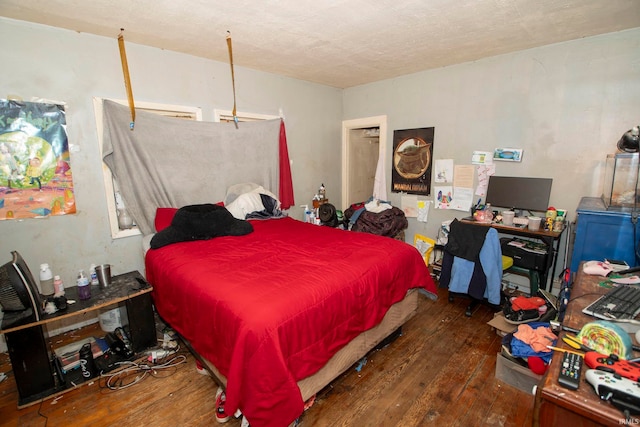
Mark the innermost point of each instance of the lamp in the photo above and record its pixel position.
(630, 140)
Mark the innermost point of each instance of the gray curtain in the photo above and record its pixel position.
(169, 162)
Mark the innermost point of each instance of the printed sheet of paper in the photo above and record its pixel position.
(463, 176)
(409, 205)
(462, 199)
(444, 170)
(481, 158)
(484, 172)
(423, 210)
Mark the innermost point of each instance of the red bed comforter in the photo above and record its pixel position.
(271, 307)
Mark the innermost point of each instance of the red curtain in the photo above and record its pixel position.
(285, 192)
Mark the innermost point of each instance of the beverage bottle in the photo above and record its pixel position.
(46, 280)
(84, 290)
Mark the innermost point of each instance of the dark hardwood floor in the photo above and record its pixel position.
(441, 371)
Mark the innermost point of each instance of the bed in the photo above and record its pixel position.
(278, 313)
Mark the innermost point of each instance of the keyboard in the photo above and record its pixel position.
(622, 302)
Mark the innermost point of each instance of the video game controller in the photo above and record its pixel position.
(613, 365)
(623, 393)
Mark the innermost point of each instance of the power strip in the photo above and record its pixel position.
(521, 220)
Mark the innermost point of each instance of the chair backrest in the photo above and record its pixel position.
(425, 246)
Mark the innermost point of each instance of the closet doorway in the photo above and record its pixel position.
(364, 144)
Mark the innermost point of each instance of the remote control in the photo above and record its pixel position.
(570, 370)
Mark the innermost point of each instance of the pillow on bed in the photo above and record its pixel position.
(244, 204)
(164, 216)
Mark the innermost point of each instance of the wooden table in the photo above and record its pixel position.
(559, 406)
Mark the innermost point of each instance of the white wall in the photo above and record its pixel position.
(566, 105)
(62, 65)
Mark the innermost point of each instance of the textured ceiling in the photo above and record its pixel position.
(340, 43)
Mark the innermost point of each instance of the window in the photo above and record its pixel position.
(227, 116)
(114, 200)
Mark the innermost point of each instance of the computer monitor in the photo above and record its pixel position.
(19, 297)
(511, 192)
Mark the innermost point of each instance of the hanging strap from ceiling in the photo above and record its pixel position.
(233, 79)
(127, 79)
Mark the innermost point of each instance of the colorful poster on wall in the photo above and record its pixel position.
(412, 154)
(35, 169)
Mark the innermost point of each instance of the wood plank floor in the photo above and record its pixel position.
(441, 371)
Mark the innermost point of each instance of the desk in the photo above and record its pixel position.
(35, 373)
(549, 238)
(556, 405)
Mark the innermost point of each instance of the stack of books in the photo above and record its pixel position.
(69, 355)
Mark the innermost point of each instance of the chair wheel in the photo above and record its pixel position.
(468, 312)
(450, 298)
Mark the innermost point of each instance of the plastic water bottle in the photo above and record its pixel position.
(84, 290)
(46, 280)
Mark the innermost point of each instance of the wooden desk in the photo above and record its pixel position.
(549, 238)
(556, 405)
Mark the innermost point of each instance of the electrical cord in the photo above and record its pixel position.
(133, 372)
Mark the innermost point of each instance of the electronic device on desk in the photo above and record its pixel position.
(19, 296)
(620, 303)
(623, 393)
(520, 221)
(613, 364)
(516, 193)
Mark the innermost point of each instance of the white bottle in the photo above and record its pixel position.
(46, 280)
(94, 275)
(307, 213)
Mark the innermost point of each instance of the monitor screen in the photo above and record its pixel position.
(530, 194)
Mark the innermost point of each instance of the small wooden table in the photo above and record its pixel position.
(559, 406)
(31, 356)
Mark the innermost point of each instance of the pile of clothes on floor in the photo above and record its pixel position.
(529, 344)
(376, 217)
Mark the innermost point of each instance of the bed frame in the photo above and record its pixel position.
(398, 315)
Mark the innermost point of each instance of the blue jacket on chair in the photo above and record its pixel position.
(476, 272)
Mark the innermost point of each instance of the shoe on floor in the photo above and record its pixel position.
(201, 369)
(517, 317)
(522, 316)
(221, 415)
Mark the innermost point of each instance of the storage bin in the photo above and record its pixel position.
(516, 375)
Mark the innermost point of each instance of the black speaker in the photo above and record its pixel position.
(31, 365)
(142, 324)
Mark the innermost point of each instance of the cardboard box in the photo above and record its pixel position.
(501, 326)
(516, 375)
